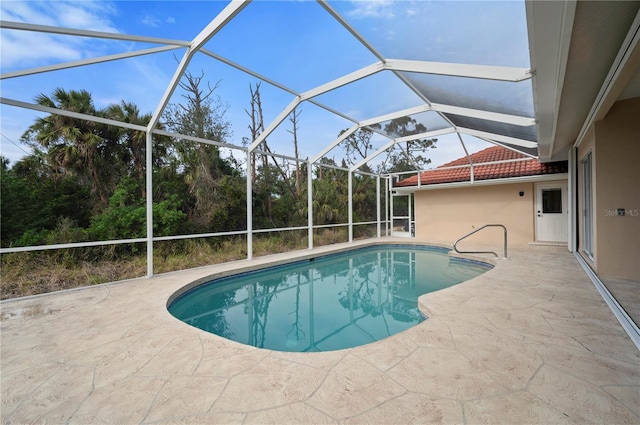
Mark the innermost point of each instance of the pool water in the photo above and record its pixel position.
(327, 303)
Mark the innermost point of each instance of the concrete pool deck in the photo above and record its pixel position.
(530, 341)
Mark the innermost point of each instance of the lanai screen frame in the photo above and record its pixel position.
(196, 45)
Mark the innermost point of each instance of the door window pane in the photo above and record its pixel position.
(552, 201)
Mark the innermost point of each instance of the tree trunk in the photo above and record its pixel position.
(294, 132)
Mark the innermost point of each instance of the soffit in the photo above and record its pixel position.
(568, 80)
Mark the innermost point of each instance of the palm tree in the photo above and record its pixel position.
(132, 142)
(72, 145)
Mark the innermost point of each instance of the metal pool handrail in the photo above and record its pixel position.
(482, 252)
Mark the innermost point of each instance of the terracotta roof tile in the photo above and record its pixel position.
(523, 167)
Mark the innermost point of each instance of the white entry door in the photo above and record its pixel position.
(551, 212)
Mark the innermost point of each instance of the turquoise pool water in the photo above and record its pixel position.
(327, 303)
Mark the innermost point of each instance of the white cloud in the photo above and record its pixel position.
(154, 22)
(372, 9)
(87, 15)
(391, 35)
(23, 49)
(32, 49)
(93, 16)
(150, 21)
(25, 12)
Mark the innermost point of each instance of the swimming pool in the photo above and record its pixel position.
(325, 303)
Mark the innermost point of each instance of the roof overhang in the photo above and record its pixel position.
(491, 182)
(584, 57)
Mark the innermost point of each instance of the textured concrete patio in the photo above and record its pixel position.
(530, 341)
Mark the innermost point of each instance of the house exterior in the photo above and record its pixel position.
(608, 193)
(587, 100)
(494, 186)
(587, 95)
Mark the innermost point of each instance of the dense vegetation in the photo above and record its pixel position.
(85, 181)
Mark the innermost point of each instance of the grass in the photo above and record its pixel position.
(38, 272)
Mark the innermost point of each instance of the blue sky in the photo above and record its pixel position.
(297, 44)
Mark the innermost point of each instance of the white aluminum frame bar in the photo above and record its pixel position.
(466, 152)
(175, 80)
(331, 166)
(369, 47)
(231, 10)
(365, 173)
(359, 223)
(378, 205)
(198, 139)
(424, 135)
(21, 26)
(75, 64)
(333, 144)
(326, 226)
(332, 85)
(279, 229)
(274, 83)
(69, 245)
(350, 204)
(485, 115)
(400, 140)
(497, 137)
(275, 123)
(506, 146)
(349, 28)
(344, 80)
(480, 164)
(277, 155)
(248, 71)
(396, 66)
(402, 173)
(149, 200)
(249, 207)
(310, 204)
(491, 182)
(485, 72)
(469, 165)
(506, 118)
(199, 235)
(71, 114)
(380, 150)
(387, 117)
(411, 86)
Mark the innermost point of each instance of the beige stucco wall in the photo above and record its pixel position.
(617, 141)
(444, 215)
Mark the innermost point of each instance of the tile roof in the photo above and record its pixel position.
(520, 165)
